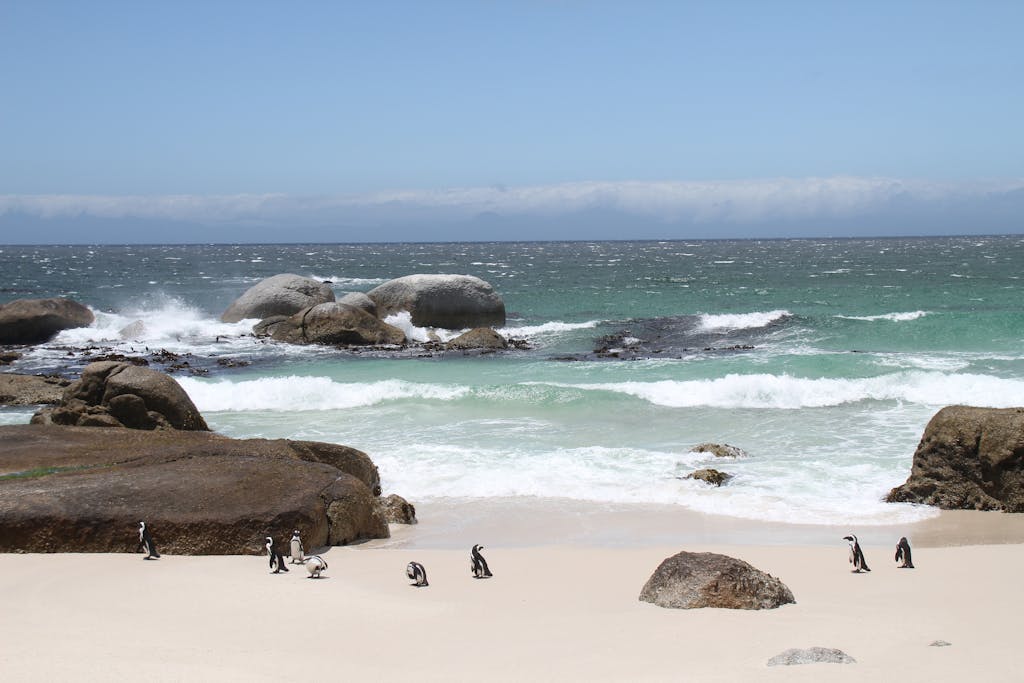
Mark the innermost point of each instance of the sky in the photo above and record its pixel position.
(358, 121)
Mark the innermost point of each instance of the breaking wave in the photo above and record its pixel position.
(740, 321)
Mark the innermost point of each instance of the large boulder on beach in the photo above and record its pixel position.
(283, 294)
(74, 489)
(336, 324)
(114, 394)
(447, 301)
(968, 458)
(691, 580)
(34, 321)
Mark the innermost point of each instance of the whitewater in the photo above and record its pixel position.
(822, 359)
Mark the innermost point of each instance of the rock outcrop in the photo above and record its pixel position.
(397, 510)
(283, 294)
(811, 655)
(74, 489)
(34, 321)
(968, 458)
(478, 338)
(691, 580)
(447, 301)
(27, 390)
(114, 394)
(333, 323)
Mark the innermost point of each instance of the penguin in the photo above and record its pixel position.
(416, 572)
(277, 564)
(146, 543)
(314, 565)
(297, 555)
(856, 555)
(903, 553)
(478, 565)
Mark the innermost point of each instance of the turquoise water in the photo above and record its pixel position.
(823, 359)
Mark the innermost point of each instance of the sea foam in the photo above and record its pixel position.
(891, 317)
(296, 393)
(790, 393)
(740, 321)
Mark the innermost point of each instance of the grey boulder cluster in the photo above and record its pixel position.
(299, 310)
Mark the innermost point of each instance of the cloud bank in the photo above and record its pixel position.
(768, 208)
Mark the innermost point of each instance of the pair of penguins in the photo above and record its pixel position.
(477, 564)
(315, 564)
(861, 565)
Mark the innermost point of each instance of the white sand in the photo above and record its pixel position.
(551, 612)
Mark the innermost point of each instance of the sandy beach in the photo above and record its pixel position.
(557, 610)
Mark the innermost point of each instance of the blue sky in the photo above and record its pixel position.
(206, 114)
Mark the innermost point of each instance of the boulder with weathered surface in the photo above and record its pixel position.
(449, 301)
(111, 393)
(27, 390)
(811, 655)
(397, 510)
(336, 324)
(73, 489)
(691, 580)
(968, 458)
(478, 338)
(360, 300)
(283, 294)
(34, 321)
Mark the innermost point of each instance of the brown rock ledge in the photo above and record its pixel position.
(79, 489)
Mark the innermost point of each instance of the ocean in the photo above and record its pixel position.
(822, 359)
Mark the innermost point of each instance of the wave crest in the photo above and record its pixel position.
(740, 321)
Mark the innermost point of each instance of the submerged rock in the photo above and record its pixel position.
(720, 450)
(968, 458)
(478, 338)
(692, 580)
(710, 476)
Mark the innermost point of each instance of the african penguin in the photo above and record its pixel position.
(277, 564)
(478, 564)
(146, 543)
(903, 553)
(416, 572)
(856, 554)
(297, 555)
(314, 565)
